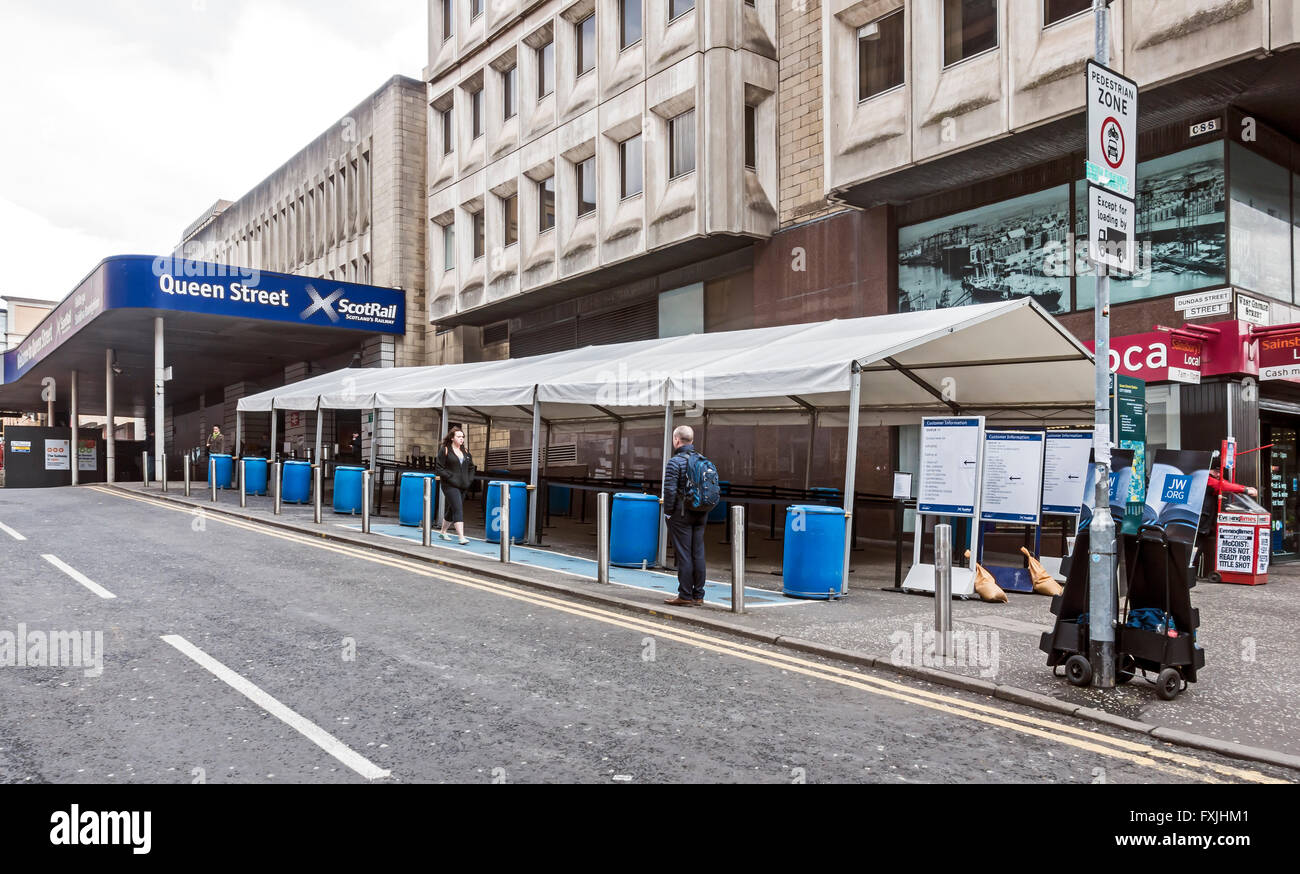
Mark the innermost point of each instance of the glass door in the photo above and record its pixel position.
(1283, 489)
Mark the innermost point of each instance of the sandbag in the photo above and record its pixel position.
(987, 587)
(1038, 575)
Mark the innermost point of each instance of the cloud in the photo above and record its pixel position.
(123, 121)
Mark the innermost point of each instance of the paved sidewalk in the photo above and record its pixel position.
(1243, 705)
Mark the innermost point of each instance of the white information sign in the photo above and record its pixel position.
(902, 485)
(56, 455)
(1112, 130)
(1252, 311)
(1065, 472)
(1013, 477)
(1184, 302)
(1265, 544)
(1112, 224)
(1235, 549)
(87, 457)
(950, 457)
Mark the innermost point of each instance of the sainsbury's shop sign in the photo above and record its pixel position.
(1156, 356)
(1279, 356)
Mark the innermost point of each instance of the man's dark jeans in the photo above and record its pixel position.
(687, 534)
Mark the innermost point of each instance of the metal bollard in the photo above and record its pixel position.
(275, 474)
(366, 496)
(316, 493)
(943, 589)
(188, 474)
(737, 558)
(212, 477)
(243, 492)
(602, 537)
(162, 471)
(504, 509)
(144, 468)
(426, 518)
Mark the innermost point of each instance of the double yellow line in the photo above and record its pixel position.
(1143, 755)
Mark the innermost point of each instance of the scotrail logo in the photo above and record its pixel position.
(319, 304)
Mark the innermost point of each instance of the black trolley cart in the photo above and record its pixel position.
(1158, 571)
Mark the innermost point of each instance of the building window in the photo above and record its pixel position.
(448, 137)
(508, 82)
(510, 215)
(681, 144)
(586, 32)
(1259, 233)
(476, 113)
(545, 70)
(1059, 10)
(546, 204)
(678, 8)
(629, 23)
(969, 27)
(448, 21)
(880, 55)
(629, 160)
(449, 247)
(480, 245)
(475, 9)
(587, 186)
(751, 139)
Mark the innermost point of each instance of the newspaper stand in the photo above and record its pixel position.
(1243, 531)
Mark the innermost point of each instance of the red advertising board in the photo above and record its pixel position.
(1279, 355)
(1156, 356)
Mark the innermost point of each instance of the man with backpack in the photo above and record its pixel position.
(690, 492)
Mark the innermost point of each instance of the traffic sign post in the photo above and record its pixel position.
(1112, 130)
(1112, 223)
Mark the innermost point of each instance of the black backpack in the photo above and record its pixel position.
(702, 493)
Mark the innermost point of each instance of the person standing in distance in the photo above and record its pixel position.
(685, 526)
(455, 470)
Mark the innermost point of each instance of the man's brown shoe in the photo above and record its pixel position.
(699, 602)
(681, 602)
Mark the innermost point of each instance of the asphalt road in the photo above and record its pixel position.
(364, 666)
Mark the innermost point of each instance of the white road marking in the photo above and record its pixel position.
(79, 577)
(12, 533)
(308, 729)
(1006, 623)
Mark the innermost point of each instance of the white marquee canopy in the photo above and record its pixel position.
(1009, 361)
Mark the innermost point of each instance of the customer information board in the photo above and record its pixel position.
(950, 458)
(1013, 477)
(1065, 471)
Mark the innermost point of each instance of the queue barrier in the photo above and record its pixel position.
(410, 504)
(518, 521)
(813, 560)
(225, 470)
(347, 489)
(634, 530)
(296, 485)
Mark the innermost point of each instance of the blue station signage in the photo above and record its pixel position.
(180, 285)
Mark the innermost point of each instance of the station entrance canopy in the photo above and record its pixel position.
(223, 325)
(1010, 361)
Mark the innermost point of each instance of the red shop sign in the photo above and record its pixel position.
(1157, 356)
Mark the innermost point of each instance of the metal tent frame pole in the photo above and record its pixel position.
(159, 390)
(442, 431)
(275, 449)
(534, 466)
(850, 472)
(663, 480)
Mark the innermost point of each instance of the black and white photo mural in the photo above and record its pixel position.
(1003, 251)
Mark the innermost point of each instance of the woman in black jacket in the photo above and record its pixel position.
(455, 470)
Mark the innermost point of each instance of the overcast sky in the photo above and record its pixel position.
(121, 122)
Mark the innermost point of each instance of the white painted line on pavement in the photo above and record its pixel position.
(308, 729)
(12, 533)
(79, 577)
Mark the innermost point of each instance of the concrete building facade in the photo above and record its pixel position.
(349, 206)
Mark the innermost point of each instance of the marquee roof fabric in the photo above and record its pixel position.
(1009, 360)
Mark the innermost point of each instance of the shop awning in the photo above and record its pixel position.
(1010, 361)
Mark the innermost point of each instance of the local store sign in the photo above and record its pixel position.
(1279, 356)
(1156, 357)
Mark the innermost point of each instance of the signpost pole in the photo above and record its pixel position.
(1101, 541)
